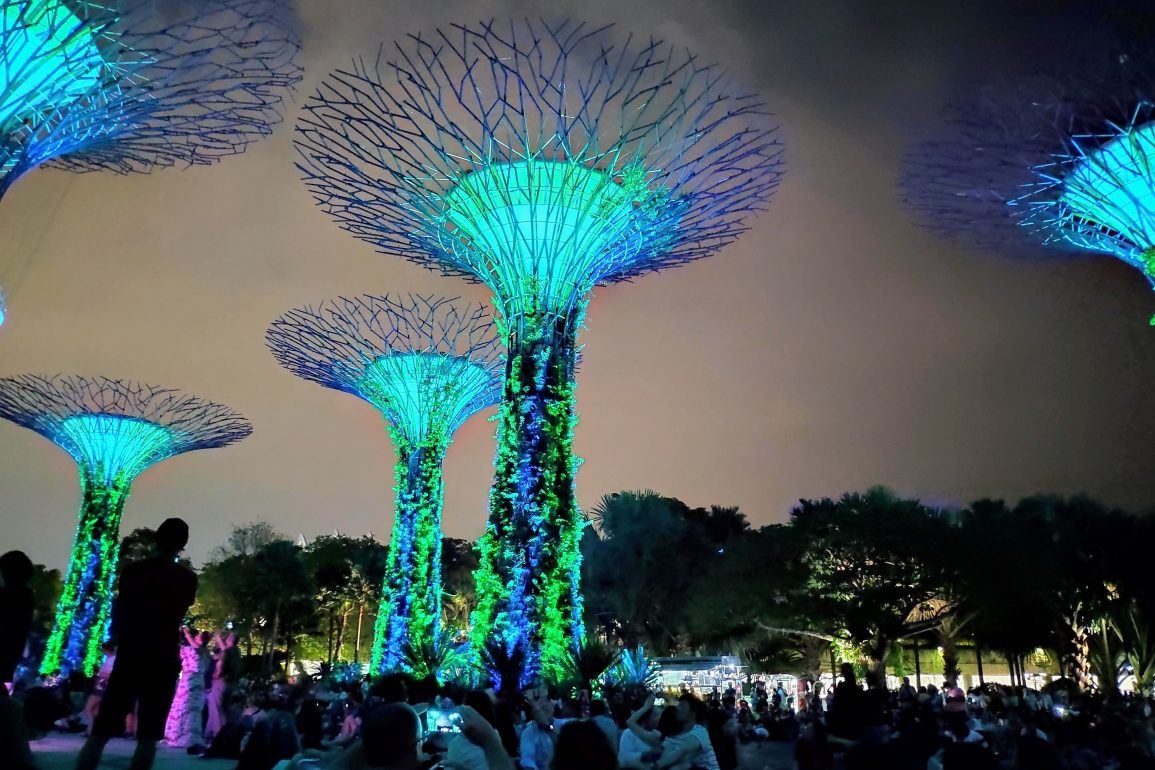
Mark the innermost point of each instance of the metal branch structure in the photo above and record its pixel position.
(114, 430)
(1065, 162)
(427, 365)
(541, 160)
(133, 85)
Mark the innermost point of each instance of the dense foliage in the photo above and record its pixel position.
(856, 578)
(316, 601)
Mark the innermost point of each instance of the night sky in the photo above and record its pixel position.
(833, 347)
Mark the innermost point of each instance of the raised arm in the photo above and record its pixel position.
(648, 736)
(476, 729)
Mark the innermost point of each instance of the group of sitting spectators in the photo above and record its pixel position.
(397, 722)
(400, 723)
(990, 727)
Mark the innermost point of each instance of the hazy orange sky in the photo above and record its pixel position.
(833, 347)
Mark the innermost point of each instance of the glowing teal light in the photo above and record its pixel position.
(49, 59)
(559, 224)
(113, 448)
(425, 395)
(1111, 192)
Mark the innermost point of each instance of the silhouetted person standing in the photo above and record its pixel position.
(150, 608)
(16, 604)
(15, 612)
(847, 706)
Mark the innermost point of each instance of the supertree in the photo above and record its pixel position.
(1063, 160)
(540, 160)
(427, 365)
(114, 430)
(132, 85)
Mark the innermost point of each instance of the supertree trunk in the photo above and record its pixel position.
(84, 611)
(528, 581)
(411, 592)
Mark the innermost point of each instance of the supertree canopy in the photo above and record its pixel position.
(426, 365)
(1098, 192)
(114, 430)
(1065, 161)
(541, 160)
(132, 85)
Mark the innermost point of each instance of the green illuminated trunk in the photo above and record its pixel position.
(528, 591)
(411, 593)
(84, 611)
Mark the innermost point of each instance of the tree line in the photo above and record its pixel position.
(854, 578)
(866, 573)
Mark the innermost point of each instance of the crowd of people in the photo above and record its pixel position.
(322, 721)
(169, 682)
(991, 727)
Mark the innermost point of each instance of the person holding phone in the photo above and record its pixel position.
(640, 742)
(536, 745)
(391, 740)
(465, 752)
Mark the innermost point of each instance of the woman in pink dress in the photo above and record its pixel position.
(225, 662)
(184, 725)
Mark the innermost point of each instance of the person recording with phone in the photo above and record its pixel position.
(538, 735)
(464, 752)
(641, 742)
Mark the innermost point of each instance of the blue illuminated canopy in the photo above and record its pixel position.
(562, 225)
(423, 394)
(117, 425)
(113, 447)
(1064, 160)
(426, 364)
(1109, 196)
(50, 58)
(133, 85)
(538, 158)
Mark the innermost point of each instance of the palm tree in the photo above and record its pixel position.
(586, 663)
(362, 593)
(943, 613)
(812, 646)
(1105, 653)
(1138, 636)
(503, 666)
(647, 531)
(633, 672)
(456, 609)
(434, 653)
